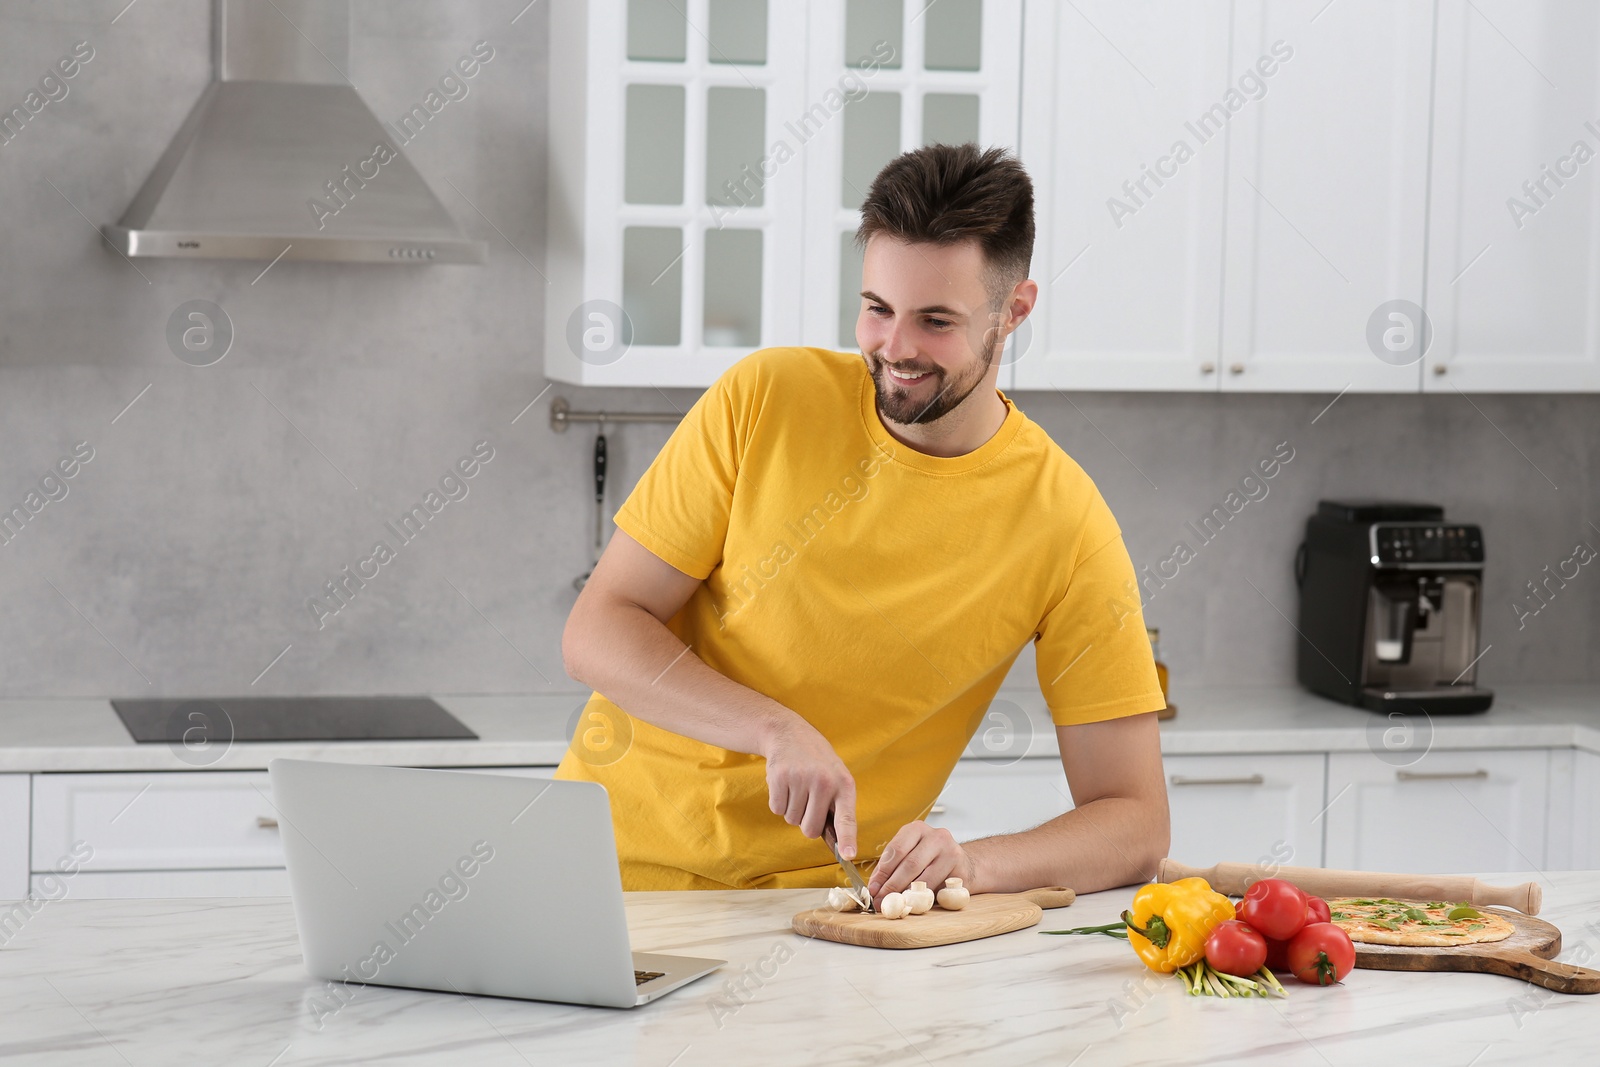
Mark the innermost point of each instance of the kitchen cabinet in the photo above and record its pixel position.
(1449, 812)
(1514, 235)
(1584, 836)
(1129, 194)
(14, 826)
(950, 76)
(708, 160)
(1262, 809)
(1327, 192)
(982, 799)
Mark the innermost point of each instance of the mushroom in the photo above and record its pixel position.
(953, 897)
(920, 898)
(840, 899)
(894, 906)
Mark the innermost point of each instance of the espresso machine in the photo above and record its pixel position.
(1390, 600)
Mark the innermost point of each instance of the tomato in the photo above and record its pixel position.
(1321, 954)
(1277, 909)
(1277, 955)
(1316, 910)
(1234, 948)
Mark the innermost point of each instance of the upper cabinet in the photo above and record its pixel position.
(1262, 195)
(1128, 149)
(1327, 192)
(708, 159)
(1514, 243)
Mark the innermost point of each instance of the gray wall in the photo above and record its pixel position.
(181, 557)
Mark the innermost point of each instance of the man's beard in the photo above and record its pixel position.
(925, 401)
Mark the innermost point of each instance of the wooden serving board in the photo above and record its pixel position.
(985, 915)
(1526, 954)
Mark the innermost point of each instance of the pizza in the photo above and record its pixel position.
(1415, 923)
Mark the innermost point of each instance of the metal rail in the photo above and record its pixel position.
(562, 416)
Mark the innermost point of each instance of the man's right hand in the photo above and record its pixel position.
(806, 780)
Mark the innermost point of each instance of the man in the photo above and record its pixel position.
(819, 584)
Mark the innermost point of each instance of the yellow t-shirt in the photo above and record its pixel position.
(879, 592)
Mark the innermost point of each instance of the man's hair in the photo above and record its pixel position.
(943, 194)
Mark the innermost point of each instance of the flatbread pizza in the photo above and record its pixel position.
(1415, 923)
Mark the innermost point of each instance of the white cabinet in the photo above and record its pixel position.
(674, 200)
(1327, 192)
(1514, 235)
(1128, 164)
(908, 74)
(1582, 817)
(982, 799)
(1450, 812)
(1263, 809)
(707, 159)
(14, 824)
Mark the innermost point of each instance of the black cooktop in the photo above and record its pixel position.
(228, 719)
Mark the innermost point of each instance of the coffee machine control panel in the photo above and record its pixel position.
(1426, 544)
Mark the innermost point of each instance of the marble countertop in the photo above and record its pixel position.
(80, 734)
(120, 982)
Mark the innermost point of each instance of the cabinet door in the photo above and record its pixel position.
(675, 192)
(1449, 813)
(1583, 816)
(983, 799)
(1129, 194)
(884, 77)
(14, 823)
(1327, 192)
(1246, 809)
(1514, 235)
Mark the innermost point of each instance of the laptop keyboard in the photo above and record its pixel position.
(641, 977)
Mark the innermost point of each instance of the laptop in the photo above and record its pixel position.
(463, 883)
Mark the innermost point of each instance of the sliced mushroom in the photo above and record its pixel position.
(840, 899)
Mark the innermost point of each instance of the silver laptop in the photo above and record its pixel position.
(463, 883)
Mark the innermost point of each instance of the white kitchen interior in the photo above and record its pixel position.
(1355, 241)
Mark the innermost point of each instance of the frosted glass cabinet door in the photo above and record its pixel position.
(1514, 233)
(884, 77)
(1128, 180)
(1327, 191)
(675, 202)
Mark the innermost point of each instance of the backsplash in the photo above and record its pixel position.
(210, 508)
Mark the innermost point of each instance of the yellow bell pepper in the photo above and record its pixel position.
(1168, 923)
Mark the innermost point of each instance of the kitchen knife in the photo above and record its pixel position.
(858, 887)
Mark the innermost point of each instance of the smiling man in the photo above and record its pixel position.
(818, 586)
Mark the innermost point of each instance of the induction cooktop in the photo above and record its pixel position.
(227, 719)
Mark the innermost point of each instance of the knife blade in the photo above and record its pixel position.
(858, 887)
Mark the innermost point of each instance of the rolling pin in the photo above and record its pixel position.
(1235, 878)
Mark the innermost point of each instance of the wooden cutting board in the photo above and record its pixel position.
(1526, 954)
(985, 915)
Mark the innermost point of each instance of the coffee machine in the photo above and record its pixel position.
(1390, 600)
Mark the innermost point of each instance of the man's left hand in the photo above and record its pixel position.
(919, 853)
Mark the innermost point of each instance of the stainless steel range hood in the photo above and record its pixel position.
(280, 156)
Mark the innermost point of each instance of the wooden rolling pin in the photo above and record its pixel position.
(1235, 878)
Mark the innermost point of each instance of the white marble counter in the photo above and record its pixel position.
(80, 734)
(221, 981)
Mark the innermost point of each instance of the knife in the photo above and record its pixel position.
(858, 887)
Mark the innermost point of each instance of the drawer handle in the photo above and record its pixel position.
(1441, 776)
(1254, 779)
(264, 822)
(937, 809)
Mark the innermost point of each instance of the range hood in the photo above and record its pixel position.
(281, 158)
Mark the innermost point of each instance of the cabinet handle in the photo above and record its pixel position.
(1254, 779)
(263, 822)
(937, 809)
(1440, 776)
(1439, 368)
(1236, 368)
(1208, 367)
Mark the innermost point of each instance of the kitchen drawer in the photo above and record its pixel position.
(97, 885)
(13, 836)
(1246, 809)
(156, 822)
(1448, 813)
(982, 799)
